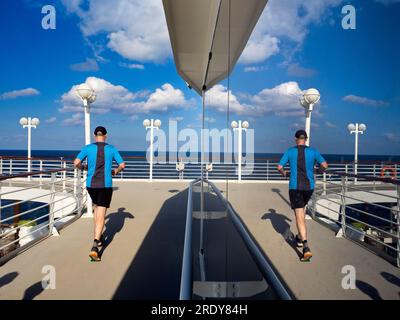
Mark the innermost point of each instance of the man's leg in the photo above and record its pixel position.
(99, 217)
(301, 227)
(99, 221)
(301, 223)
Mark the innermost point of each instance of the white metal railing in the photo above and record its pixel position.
(190, 253)
(367, 211)
(33, 207)
(260, 170)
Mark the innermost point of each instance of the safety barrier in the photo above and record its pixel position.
(33, 207)
(362, 208)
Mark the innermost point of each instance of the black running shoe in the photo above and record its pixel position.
(299, 243)
(94, 254)
(306, 255)
(100, 242)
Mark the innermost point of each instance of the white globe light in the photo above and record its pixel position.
(94, 84)
(23, 121)
(362, 127)
(351, 127)
(312, 96)
(245, 124)
(146, 123)
(234, 124)
(92, 98)
(303, 102)
(84, 91)
(35, 121)
(157, 123)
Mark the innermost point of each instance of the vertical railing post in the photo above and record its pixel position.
(64, 175)
(324, 183)
(346, 170)
(343, 207)
(75, 181)
(1, 166)
(51, 206)
(11, 164)
(398, 225)
(40, 169)
(267, 169)
(1, 182)
(79, 191)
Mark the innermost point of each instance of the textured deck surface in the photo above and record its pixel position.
(144, 237)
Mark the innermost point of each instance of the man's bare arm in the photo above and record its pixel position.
(78, 164)
(282, 171)
(120, 168)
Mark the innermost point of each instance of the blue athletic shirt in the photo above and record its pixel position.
(100, 156)
(301, 160)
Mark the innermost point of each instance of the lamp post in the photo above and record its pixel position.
(88, 96)
(239, 127)
(308, 100)
(151, 124)
(29, 123)
(356, 129)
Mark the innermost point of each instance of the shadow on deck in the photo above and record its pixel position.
(155, 271)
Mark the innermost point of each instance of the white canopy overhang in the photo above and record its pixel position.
(199, 34)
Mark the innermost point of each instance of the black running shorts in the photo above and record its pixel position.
(299, 198)
(101, 196)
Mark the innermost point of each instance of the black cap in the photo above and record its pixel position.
(301, 134)
(100, 131)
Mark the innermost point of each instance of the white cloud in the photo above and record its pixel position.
(210, 119)
(132, 66)
(51, 120)
(217, 98)
(330, 124)
(365, 101)
(392, 137)
(19, 93)
(281, 100)
(75, 120)
(118, 98)
(294, 69)
(163, 98)
(255, 68)
(135, 29)
(176, 118)
(260, 49)
(88, 65)
(387, 2)
(284, 20)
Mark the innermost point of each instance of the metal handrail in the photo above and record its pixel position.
(33, 173)
(265, 267)
(343, 190)
(186, 274)
(76, 192)
(259, 169)
(364, 177)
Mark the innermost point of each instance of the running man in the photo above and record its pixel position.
(100, 156)
(301, 159)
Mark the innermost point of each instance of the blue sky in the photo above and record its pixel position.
(122, 46)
